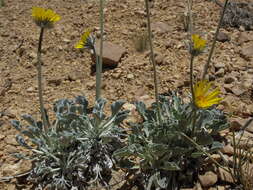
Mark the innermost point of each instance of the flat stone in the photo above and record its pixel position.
(17, 168)
(247, 52)
(11, 140)
(161, 27)
(75, 75)
(244, 37)
(208, 179)
(112, 53)
(219, 65)
(223, 37)
(237, 90)
(237, 123)
(225, 176)
(228, 149)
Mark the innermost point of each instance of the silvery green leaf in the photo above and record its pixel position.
(170, 166)
(121, 116)
(20, 156)
(30, 120)
(216, 146)
(16, 124)
(161, 181)
(22, 142)
(82, 101)
(98, 108)
(116, 106)
(204, 138)
(197, 154)
(122, 152)
(141, 108)
(28, 133)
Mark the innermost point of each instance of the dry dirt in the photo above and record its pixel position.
(72, 69)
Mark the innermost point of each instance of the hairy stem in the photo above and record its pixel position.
(153, 58)
(191, 79)
(99, 64)
(39, 69)
(206, 66)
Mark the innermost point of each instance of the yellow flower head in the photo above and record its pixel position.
(84, 39)
(199, 44)
(44, 18)
(203, 96)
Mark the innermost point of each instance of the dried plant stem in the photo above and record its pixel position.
(99, 64)
(39, 69)
(206, 66)
(153, 58)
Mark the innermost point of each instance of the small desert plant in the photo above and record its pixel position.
(167, 159)
(77, 149)
(168, 146)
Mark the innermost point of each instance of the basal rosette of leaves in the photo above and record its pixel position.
(166, 159)
(77, 149)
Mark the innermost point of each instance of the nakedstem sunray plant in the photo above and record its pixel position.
(171, 148)
(44, 18)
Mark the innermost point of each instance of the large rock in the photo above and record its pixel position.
(112, 53)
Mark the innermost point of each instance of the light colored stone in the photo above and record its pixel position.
(161, 27)
(247, 52)
(11, 140)
(225, 176)
(223, 37)
(208, 179)
(17, 168)
(228, 149)
(238, 90)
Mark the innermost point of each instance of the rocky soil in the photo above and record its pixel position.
(128, 74)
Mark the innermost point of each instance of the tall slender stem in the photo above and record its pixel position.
(191, 78)
(153, 58)
(39, 69)
(100, 63)
(206, 66)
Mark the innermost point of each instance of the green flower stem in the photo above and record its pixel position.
(100, 63)
(39, 69)
(153, 58)
(203, 151)
(98, 74)
(206, 66)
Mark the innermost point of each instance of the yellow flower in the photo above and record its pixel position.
(84, 39)
(199, 44)
(44, 18)
(204, 97)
